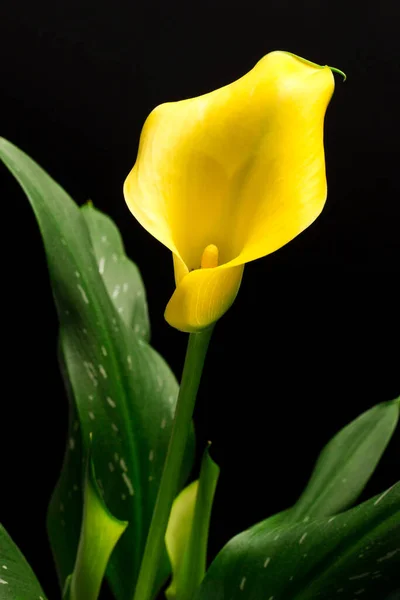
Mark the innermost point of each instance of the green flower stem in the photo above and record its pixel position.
(194, 361)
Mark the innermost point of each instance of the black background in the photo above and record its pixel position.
(313, 337)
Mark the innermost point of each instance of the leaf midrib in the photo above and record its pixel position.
(328, 482)
(344, 549)
(130, 439)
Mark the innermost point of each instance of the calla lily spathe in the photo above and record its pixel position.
(231, 176)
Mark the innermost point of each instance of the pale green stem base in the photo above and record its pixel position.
(194, 361)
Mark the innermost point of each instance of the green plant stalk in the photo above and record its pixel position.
(195, 557)
(194, 361)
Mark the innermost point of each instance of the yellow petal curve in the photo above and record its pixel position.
(241, 167)
(180, 269)
(202, 297)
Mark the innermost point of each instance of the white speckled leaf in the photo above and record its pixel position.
(94, 550)
(344, 466)
(123, 391)
(17, 580)
(120, 275)
(64, 514)
(354, 555)
(347, 462)
(340, 474)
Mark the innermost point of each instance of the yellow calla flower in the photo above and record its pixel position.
(231, 176)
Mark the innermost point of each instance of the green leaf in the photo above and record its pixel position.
(341, 472)
(64, 525)
(99, 534)
(122, 390)
(17, 580)
(344, 466)
(187, 534)
(178, 534)
(346, 463)
(353, 554)
(120, 275)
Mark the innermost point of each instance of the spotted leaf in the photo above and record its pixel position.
(94, 547)
(120, 275)
(347, 462)
(17, 580)
(123, 391)
(353, 555)
(344, 466)
(65, 509)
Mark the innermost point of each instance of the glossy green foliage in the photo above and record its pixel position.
(353, 554)
(120, 389)
(99, 534)
(120, 275)
(187, 533)
(17, 580)
(299, 554)
(347, 462)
